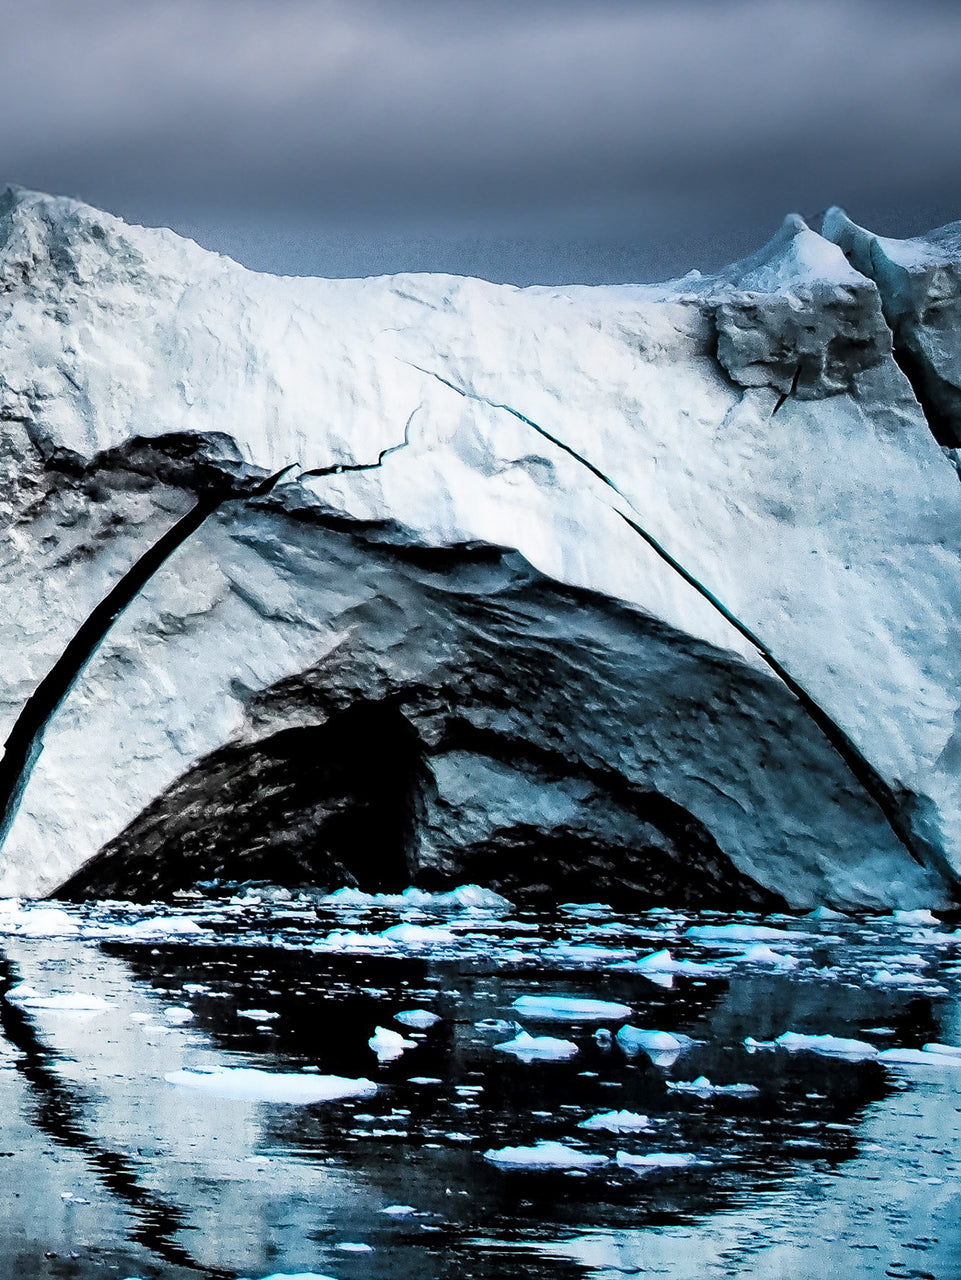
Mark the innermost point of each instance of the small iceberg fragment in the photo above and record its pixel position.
(178, 1015)
(914, 917)
(157, 927)
(949, 1050)
(251, 1085)
(570, 1009)
(544, 1155)
(663, 962)
(741, 933)
(399, 1210)
(826, 913)
(761, 953)
(417, 935)
(420, 1019)
(828, 1046)
(897, 978)
(920, 1058)
(617, 1122)
(69, 1002)
(257, 1015)
(704, 1089)
(662, 1047)
(388, 1044)
(46, 922)
(544, 1048)
(655, 1160)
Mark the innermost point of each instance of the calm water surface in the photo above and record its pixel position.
(828, 1166)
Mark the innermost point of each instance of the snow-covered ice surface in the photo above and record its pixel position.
(808, 1123)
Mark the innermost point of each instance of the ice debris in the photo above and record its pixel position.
(421, 1019)
(662, 1047)
(68, 1002)
(617, 1122)
(250, 1084)
(828, 1046)
(704, 1089)
(570, 1009)
(655, 1160)
(544, 1155)
(528, 1047)
(388, 1044)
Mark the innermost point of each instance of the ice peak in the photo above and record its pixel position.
(794, 256)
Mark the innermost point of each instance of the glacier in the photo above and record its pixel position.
(448, 640)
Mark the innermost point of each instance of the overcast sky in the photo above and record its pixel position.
(521, 140)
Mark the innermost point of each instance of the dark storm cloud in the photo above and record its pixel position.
(702, 120)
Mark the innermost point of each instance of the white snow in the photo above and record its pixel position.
(617, 1122)
(569, 1009)
(251, 1084)
(547, 1048)
(388, 1044)
(544, 1155)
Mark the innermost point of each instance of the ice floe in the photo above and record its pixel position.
(544, 1155)
(704, 1089)
(829, 1046)
(68, 1002)
(528, 1047)
(388, 1044)
(662, 1047)
(617, 1122)
(251, 1084)
(257, 1015)
(655, 1160)
(570, 1009)
(421, 1019)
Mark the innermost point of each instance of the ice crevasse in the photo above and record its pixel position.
(647, 590)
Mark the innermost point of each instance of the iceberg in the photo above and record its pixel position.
(251, 1084)
(538, 1048)
(569, 1009)
(544, 1155)
(549, 578)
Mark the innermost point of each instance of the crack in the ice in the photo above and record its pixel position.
(859, 766)
(790, 392)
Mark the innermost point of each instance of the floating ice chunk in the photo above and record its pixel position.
(528, 1047)
(662, 1047)
(829, 1046)
(177, 1014)
(46, 922)
(760, 953)
(741, 933)
(249, 1084)
(663, 962)
(617, 1122)
(290, 1275)
(417, 935)
(949, 1050)
(570, 1009)
(826, 913)
(351, 940)
(586, 953)
(425, 1080)
(920, 1058)
(257, 1015)
(655, 1160)
(703, 1088)
(71, 1001)
(893, 978)
(544, 1155)
(350, 1246)
(388, 1044)
(419, 1018)
(158, 927)
(914, 917)
(752, 1045)
(399, 1210)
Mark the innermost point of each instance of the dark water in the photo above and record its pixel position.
(831, 1166)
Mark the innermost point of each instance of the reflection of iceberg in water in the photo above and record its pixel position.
(232, 1186)
(97, 1088)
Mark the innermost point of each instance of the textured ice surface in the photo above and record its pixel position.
(829, 1046)
(617, 1122)
(824, 526)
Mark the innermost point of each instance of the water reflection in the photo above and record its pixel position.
(231, 1187)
